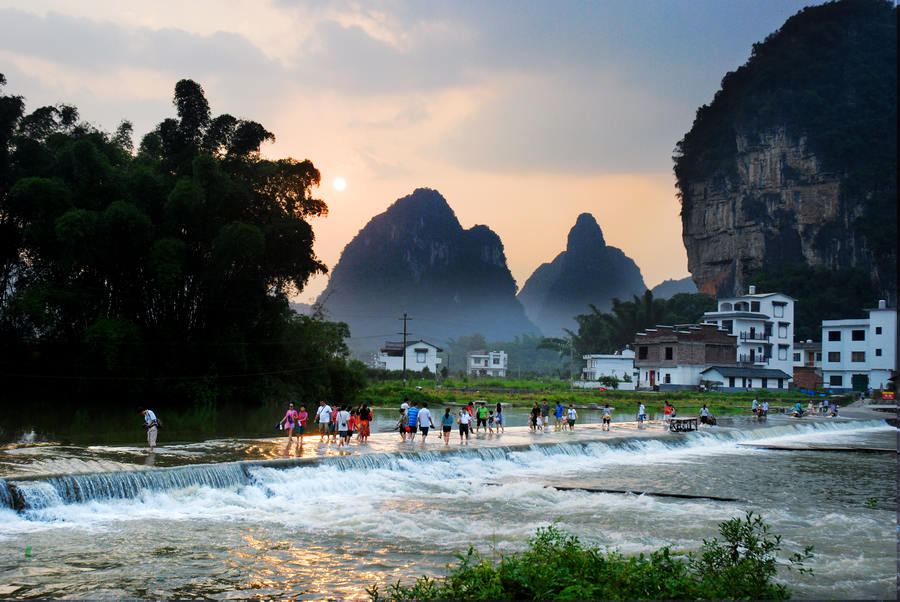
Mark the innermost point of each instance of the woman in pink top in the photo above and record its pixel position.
(289, 421)
(302, 416)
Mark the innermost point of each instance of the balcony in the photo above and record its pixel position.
(754, 337)
(756, 360)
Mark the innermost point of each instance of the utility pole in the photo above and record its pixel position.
(571, 364)
(404, 333)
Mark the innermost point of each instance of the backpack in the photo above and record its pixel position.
(158, 423)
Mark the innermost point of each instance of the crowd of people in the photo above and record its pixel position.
(338, 423)
(342, 423)
(415, 420)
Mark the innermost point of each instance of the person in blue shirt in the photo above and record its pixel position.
(446, 425)
(412, 414)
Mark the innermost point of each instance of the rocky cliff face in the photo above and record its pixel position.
(795, 159)
(416, 258)
(782, 208)
(587, 272)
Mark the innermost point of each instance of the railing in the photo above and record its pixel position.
(754, 336)
(744, 358)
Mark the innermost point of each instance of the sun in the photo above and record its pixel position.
(339, 183)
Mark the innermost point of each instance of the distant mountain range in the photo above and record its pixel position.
(670, 288)
(416, 258)
(587, 272)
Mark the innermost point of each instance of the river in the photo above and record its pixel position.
(222, 528)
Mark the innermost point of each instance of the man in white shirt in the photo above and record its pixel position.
(425, 421)
(642, 416)
(323, 417)
(465, 421)
(151, 425)
(571, 415)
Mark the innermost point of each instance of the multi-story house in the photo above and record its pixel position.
(764, 326)
(858, 354)
(487, 363)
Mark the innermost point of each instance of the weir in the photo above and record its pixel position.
(35, 492)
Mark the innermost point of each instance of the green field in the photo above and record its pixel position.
(523, 393)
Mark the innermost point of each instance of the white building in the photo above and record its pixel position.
(487, 363)
(737, 378)
(860, 353)
(618, 365)
(419, 355)
(764, 326)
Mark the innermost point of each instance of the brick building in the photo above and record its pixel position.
(673, 357)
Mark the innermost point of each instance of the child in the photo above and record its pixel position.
(491, 422)
(499, 420)
(607, 418)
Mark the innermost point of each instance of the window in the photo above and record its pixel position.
(668, 378)
(780, 383)
(878, 330)
(834, 335)
(778, 310)
(782, 331)
(420, 355)
(728, 325)
(858, 335)
(818, 356)
(835, 380)
(731, 381)
(782, 352)
(496, 361)
(857, 356)
(754, 306)
(765, 383)
(797, 357)
(878, 353)
(834, 357)
(642, 353)
(669, 353)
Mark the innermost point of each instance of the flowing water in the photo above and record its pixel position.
(336, 524)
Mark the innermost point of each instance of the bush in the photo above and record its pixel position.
(557, 566)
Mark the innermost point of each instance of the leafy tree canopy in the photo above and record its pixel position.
(607, 332)
(140, 274)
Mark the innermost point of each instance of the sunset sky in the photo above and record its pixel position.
(521, 114)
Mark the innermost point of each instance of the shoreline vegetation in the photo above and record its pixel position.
(557, 565)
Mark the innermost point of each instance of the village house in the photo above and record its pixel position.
(487, 363)
(673, 357)
(764, 326)
(419, 355)
(858, 354)
(619, 365)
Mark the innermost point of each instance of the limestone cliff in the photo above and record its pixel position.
(795, 160)
(416, 258)
(781, 209)
(589, 272)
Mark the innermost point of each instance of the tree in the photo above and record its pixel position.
(157, 271)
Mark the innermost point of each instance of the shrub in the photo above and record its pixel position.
(557, 566)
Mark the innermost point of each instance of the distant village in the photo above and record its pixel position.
(747, 343)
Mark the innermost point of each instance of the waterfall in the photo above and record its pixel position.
(32, 493)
